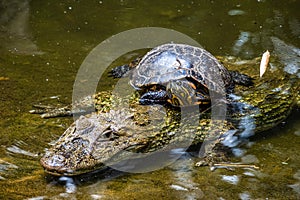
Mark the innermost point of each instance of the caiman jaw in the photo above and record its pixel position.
(53, 165)
(69, 164)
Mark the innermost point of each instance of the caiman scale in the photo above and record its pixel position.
(107, 136)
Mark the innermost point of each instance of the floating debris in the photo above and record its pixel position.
(235, 12)
(178, 187)
(2, 78)
(232, 165)
(264, 63)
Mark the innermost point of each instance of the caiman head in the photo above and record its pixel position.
(90, 142)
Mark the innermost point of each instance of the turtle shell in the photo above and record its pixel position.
(179, 61)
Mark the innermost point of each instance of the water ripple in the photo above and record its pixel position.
(17, 150)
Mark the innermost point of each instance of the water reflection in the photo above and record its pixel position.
(234, 179)
(296, 186)
(5, 167)
(15, 31)
(240, 42)
(17, 150)
(183, 181)
(289, 56)
(69, 184)
(264, 36)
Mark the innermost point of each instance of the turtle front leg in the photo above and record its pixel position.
(154, 97)
(177, 93)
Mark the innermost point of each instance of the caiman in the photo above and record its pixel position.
(110, 135)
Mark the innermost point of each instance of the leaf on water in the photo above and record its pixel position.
(264, 63)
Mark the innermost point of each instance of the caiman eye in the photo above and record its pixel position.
(107, 133)
(83, 123)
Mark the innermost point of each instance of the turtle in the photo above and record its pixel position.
(181, 75)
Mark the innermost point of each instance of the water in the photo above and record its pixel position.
(43, 44)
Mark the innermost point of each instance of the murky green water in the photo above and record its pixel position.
(42, 45)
